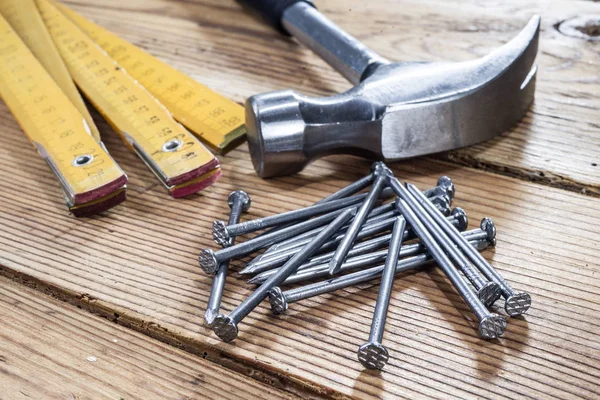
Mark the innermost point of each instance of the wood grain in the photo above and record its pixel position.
(137, 263)
(557, 143)
(51, 350)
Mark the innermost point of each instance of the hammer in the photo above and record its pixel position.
(395, 110)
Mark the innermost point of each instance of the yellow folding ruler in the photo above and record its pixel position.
(218, 121)
(176, 157)
(89, 177)
(23, 16)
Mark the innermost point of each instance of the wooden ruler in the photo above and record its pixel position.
(25, 19)
(175, 156)
(216, 120)
(89, 177)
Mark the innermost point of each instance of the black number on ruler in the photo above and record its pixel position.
(76, 146)
(102, 72)
(100, 172)
(147, 72)
(136, 64)
(216, 112)
(233, 121)
(152, 120)
(78, 46)
(187, 95)
(165, 132)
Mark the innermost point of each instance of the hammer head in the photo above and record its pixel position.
(398, 110)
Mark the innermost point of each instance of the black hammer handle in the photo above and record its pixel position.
(272, 10)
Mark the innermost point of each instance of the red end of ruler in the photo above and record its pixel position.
(178, 192)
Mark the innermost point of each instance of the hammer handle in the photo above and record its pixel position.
(272, 10)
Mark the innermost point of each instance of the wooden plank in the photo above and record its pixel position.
(557, 143)
(51, 350)
(138, 262)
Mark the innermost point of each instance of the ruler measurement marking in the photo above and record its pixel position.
(139, 114)
(48, 118)
(187, 99)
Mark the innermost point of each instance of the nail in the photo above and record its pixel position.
(487, 291)
(345, 192)
(491, 325)
(446, 182)
(226, 326)
(239, 202)
(516, 303)
(382, 175)
(459, 218)
(222, 233)
(280, 300)
(274, 252)
(378, 213)
(210, 260)
(378, 216)
(353, 263)
(443, 202)
(373, 354)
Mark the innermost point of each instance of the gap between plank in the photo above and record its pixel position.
(247, 367)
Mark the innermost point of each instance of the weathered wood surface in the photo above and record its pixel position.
(51, 350)
(558, 142)
(137, 263)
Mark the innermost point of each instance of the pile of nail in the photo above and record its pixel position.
(349, 238)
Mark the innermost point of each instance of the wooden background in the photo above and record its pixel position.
(136, 265)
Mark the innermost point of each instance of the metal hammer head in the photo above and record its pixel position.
(397, 110)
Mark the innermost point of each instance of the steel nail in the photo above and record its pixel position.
(516, 303)
(385, 194)
(443, 202)
(321, 270)
(491, 325)
(382, 175)
(210, 260)
(373, 354)
(280, 300)
(226, 326)
(378, 213)
(459, 218)
(239, 202)
(274, 252)
(298, 241)
(222, 233)
(446, 182)
(487, 291)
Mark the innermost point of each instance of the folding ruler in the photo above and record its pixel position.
(136, 104)
(89, 177)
